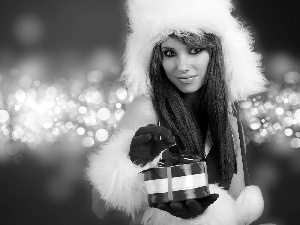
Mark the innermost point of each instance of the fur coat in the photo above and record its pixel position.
(120, 182)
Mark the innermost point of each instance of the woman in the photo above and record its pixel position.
(187, 63)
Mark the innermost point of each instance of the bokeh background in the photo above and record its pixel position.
(60, 98)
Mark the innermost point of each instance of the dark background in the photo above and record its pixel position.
(89, 23)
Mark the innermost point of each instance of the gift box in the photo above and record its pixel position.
(177, 182)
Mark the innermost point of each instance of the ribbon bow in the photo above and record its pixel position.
(169, 159)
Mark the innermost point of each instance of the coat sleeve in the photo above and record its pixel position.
(248, 200)
(114, 176)
(238, 182)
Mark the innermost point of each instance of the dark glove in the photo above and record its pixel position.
(148, 142)
(187, 209)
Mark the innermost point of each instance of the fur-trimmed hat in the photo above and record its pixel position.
(152, 21)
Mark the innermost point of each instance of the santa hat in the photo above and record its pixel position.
(152, 21)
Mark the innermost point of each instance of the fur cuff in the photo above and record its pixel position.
(225, 211)
(250, 205)
(221, 212)
(115, 177)
(122, 186)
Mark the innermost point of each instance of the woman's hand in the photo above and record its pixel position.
(148, 142)
(187, 209)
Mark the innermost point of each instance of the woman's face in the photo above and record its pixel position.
(184, 66)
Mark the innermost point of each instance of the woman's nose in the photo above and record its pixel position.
(183, 63)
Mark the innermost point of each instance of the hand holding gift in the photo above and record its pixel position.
(146, 144)
(187, 209)
(179, 185)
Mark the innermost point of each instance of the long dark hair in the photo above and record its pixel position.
(171, 107)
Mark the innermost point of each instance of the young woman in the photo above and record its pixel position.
(187, 63)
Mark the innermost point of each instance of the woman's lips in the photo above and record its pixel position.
(187, 79)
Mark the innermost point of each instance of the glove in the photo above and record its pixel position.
(187, 209)
(148, 142)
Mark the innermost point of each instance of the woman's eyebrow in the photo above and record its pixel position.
(167, 48)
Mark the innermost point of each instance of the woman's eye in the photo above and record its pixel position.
(169, 53)
(195, 50)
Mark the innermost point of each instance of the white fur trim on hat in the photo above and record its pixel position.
(151, 21)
